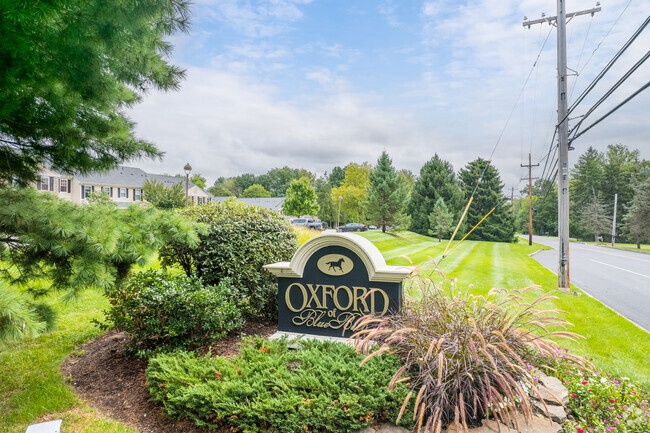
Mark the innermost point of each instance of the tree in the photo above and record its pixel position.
(437, 179)
(637, 220)
(164, 197)
(243, 181)
(222, 188)
(198, 180)
(277, 180)
(336, 177)
(79, 246)
(499, 226)
(326, 208)
(545, 207)
(353, 191)
(587, 177)
(441, 220)
(386, 196)
(594, 217)
(255, 190)
(69, 70)
(301, 198)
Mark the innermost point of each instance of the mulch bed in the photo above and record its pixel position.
(115, 384)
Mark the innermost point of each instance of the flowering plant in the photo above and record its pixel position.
(600, 404)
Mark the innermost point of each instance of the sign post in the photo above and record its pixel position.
(333, 278)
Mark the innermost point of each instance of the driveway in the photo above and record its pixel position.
(618, 278)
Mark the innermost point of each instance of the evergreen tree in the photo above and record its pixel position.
(69, 70)
(441, 220)
(255, 190)
(164, 197)
(499, 226)
(637, 220)
(437, 179)
(594, 218)
(387, 196)
(336, 177)
(545, 207)
(301, 198)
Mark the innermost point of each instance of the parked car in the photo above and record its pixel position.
(309, 223)
(372, 227)
(353, 227)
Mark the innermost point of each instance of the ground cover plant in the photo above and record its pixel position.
(602, 404)
(239, 240)
(319, 387)
(617, 346)
(163, 311)
(466, 357)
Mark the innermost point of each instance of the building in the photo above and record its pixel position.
(273, 203)
(122, 184)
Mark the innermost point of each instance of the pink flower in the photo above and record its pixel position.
(580, 430)
(573, 395)
(612, 400)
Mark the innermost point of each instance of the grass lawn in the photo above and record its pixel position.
(631, 247)
(31, 385)
(32, 389)
(617, 346)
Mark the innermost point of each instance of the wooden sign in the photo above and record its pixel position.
(332, 278)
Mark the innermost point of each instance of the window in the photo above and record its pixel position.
(64, 185)
(44, 184)
(137, 194)
(108, 190)
(199, 200)
(123, 193)
(86, 190)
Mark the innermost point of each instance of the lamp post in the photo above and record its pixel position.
(188, 170)
(338, 218)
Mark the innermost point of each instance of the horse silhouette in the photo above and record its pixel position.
(336, 264)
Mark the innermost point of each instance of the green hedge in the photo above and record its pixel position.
(160, 311)
(318, 388)
(238, 242)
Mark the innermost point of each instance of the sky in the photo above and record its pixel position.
(316, 84)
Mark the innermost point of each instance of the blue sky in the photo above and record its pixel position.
(320, 83)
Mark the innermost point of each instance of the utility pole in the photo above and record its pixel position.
(614, 220)
(564, 283)
(512, 200)
(530, 198)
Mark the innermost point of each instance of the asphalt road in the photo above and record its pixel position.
(618, 278)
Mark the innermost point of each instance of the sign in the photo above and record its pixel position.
(333, 278)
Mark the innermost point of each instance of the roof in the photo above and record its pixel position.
(131, 177)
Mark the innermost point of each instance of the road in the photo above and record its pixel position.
(618, 278)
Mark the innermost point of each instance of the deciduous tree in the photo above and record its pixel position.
(255, 190)
(198, 180)
(301, 198)
(353, 191)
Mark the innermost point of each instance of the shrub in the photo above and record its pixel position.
(240, 239)
(464, 356)
(162, 311)
(600, 404)
(269, 387)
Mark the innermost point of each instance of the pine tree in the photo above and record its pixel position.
(326, 210)
(441, 220)
(637, 220)
(387, 196)
(437, 179)
(163, 197)
(594, 217)
(301, 198)
(499, 226)
(69, 69)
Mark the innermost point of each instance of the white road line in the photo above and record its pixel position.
(626, 270)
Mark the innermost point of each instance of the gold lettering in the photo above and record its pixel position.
(327, 290)
(361, 298)
(313, 296)
(372, 301)
(287, 297)
(336, 297)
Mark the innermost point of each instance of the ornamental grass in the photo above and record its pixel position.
(466, 357)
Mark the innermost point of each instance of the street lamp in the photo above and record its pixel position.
(338, 218)
(188, 170)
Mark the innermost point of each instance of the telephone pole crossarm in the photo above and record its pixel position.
(550, 20)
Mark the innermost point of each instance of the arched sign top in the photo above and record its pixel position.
(374, 262)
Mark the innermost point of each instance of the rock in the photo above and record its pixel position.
(367, 430)
(391, 428)
(537, 425)
(552, 391)
(557, 413)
